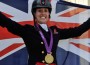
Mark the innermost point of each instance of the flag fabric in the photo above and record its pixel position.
(12, 48)
(73, 51)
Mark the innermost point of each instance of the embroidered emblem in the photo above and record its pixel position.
(43, 3)
(55, 31)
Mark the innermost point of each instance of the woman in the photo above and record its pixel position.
(41, 41)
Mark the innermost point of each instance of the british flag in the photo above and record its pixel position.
(73, 51)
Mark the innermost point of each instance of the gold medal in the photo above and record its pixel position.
(49, 58)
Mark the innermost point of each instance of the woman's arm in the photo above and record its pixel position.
(12, 26)
(74, 32)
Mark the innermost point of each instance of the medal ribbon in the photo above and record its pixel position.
(48, 47)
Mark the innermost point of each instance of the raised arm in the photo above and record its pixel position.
(12, 26)
(74, 32)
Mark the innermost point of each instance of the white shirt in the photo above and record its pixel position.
(44, 26)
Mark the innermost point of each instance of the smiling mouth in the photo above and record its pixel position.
(43, 17)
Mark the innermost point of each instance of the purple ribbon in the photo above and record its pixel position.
(48, 47)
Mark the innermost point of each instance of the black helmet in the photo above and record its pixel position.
(40, 4)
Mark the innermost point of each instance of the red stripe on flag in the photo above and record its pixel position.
(10, 48)
(81, 46)
(4, 34)
(7, 15)
(62, 24)
(72, 12)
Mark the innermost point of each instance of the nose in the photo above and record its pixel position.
(43, 12)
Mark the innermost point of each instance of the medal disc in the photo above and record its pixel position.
(49, 58)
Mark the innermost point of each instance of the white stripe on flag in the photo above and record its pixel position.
(65, 44)
(7, 42)
(9, 53)
(18, 14)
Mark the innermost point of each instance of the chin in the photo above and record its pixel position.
(43, 22)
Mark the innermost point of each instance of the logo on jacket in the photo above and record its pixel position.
(55, 31)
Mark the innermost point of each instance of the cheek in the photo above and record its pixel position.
(37, 16)
(48, 15)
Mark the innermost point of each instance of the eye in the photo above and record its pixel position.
(39, 10)
(46, 10)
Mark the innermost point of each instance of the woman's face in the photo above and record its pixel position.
(42, 15)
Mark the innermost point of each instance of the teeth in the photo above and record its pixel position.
(42, 17)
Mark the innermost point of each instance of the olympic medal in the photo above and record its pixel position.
(49, 58)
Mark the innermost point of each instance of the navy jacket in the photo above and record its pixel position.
(33, 41)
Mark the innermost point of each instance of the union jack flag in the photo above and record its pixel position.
(73, 51)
